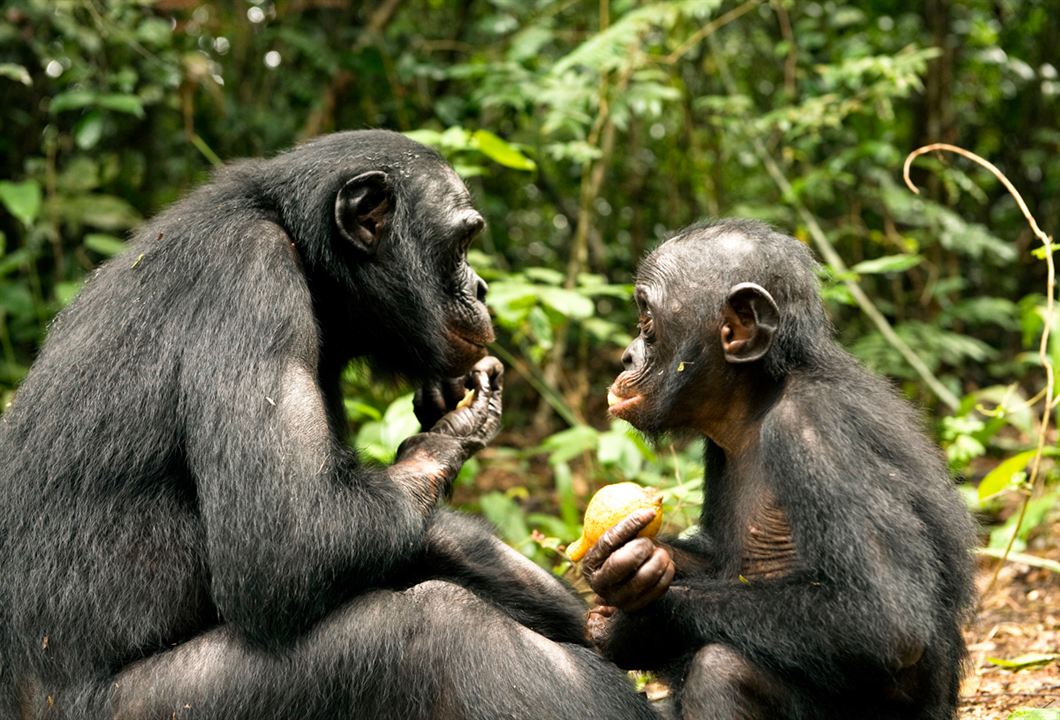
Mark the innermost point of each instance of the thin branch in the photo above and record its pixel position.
(710, 28)
(985, 163)
(1043, 346)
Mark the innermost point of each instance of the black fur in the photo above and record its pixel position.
(183, 531)
(864, 622)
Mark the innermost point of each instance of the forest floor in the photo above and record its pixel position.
(1019, 617)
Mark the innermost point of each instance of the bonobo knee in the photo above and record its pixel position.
(439, 595)
(723, 684)
(716, 666)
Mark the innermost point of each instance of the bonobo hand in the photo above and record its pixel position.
(478, 423)
(625, 571)
(427, 463)
(437, 397)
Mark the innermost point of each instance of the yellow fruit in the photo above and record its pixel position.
(608, 507)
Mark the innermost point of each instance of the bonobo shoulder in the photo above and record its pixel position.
(793, 419)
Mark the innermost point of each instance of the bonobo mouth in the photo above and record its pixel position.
(466, 349)
(619, 402)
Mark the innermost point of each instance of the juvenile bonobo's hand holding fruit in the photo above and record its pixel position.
(609, 506)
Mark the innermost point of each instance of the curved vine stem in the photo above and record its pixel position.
(1043, 347)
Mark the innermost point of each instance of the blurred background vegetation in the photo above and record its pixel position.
(587, 132)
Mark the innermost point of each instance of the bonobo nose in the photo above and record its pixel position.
(481, 288)
(633, 357)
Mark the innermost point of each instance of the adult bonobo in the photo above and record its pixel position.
(183, 531)
(831, 569)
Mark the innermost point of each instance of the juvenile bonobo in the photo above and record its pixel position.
(831, 569)
(184, 531)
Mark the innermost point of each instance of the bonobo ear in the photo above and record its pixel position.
(362, 209)
(749, 321)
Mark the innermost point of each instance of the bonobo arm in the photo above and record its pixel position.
(293, 523)
(466, 551)
(859, 604)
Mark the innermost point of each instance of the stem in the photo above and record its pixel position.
(1034, 479)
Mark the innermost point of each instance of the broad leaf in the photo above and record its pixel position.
(22, 199)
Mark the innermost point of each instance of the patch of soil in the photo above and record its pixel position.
(1020, 616)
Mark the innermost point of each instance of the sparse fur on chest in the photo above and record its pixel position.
(768, 550)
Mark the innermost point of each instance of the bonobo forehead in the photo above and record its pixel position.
(441, 188)
(696, 267)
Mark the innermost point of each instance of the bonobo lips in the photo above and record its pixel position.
(618, 403)
(466, 348)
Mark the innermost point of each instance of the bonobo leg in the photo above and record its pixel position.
(724, 685)
(433, 651)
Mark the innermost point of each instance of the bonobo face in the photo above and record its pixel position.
(467, 326)
(405, 233)
(698, 326)
(658, 363)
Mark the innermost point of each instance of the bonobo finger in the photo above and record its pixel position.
(494, 370)
(620, 567)
(647, 584)
(479, 406)
(615, 537)
(428, 404)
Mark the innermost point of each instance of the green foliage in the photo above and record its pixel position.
(1035, 714)
(577, 130)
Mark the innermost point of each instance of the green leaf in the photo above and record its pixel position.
(11, 71)
(1036, 513)
(105, 212)
(1035, 714)
(425, 136)
(548, 276)
(501, 152)
(507, 516)
(1023, 661)
(617, 448)
(104, 244)
(16, 299)
(22, 199)
(155, 32)
(1000, 478)
(14, 261)
(129, 104)
(80, 99)
(72, 100)
(570, 443)
(67, 291)
(541, 327)
(887, 264)
(89, 130)
(567, 302)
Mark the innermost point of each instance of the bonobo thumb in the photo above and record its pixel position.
(616, 537)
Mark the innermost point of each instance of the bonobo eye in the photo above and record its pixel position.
(646, 319)
(647, 324)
